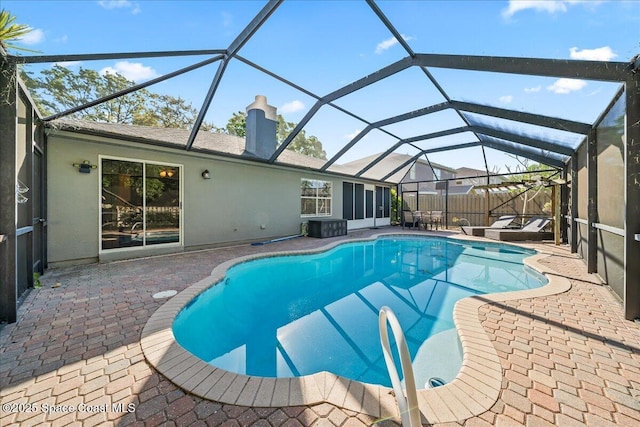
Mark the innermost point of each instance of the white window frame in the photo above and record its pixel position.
(317, 199)
(178, 166)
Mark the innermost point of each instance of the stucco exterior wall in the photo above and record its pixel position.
(232, 206)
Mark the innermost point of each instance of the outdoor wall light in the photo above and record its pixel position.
(205, 174)
(85, 166)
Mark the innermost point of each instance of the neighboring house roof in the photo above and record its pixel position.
(469, 177)
(437, 165)
(460, 189)
(387, 165)
(467, 172)
(471, 172)
(215, 143)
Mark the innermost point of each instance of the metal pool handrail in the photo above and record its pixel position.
(408, 405)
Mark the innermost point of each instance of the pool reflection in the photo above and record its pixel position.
(298, 315)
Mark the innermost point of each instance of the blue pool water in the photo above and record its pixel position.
(302, 314)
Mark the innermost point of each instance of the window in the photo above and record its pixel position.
(315, 197)
(140, 204)
(347, 200)
(383, 202)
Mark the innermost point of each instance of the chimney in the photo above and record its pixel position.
(261, 128)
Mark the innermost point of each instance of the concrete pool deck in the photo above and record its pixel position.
(565, 359)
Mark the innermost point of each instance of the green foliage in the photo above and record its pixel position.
(309, 146)
(162, 219)
(237, 124)
(154, 188)
(10, 31)
(165, 111)
(36, 281)
(59, 89)
(396, 202)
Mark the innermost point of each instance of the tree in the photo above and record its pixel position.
(531, 174)
(309, 146)
(166, 111)
(237, 124)
(59, 89)
(10, 32)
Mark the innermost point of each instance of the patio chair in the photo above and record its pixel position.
(502, 222)
(433, 219)
(532, 230)
(410, 219)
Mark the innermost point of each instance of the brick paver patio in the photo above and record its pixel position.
(568, 359)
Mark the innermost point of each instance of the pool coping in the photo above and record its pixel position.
(474, 390)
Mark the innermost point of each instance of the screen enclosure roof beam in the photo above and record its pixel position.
(398, 144)
(432, 150)
(385, 122)
(306, 92)
(524, 140)
(523, 117)
(501, 146)
(571, 69)
(383, 73)
(38, 59)
(131, 89)
(234, 47)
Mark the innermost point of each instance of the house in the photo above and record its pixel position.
(467, 178)
(418, 175)
(123, 191)
(402, 168)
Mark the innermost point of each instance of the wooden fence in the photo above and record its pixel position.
(472, 206)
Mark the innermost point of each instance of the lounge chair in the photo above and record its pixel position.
(410, 219)
(532, 230)
(502, 222)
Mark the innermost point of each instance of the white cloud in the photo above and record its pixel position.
(564, 86)
(114, 4)
(62, 39)
(532, 89)
(353, 134)
(506, 99)
(120, 4)
(550, 6)
(131, 70)
(68, 64)
(603, 53)
(516, 6)
(389, 43)
(227, 19)
(35, 36)
(292, 107)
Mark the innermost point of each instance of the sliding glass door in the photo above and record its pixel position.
(162, 204)
(141, 203)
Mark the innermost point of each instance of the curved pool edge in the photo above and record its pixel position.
(474, 390)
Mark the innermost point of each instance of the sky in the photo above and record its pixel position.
(325, 45)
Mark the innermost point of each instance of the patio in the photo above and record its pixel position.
(567, 359)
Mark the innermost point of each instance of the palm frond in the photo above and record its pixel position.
(10, 31)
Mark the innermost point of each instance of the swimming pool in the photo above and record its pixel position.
(297, 315)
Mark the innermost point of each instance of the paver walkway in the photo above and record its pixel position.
(568, 359)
